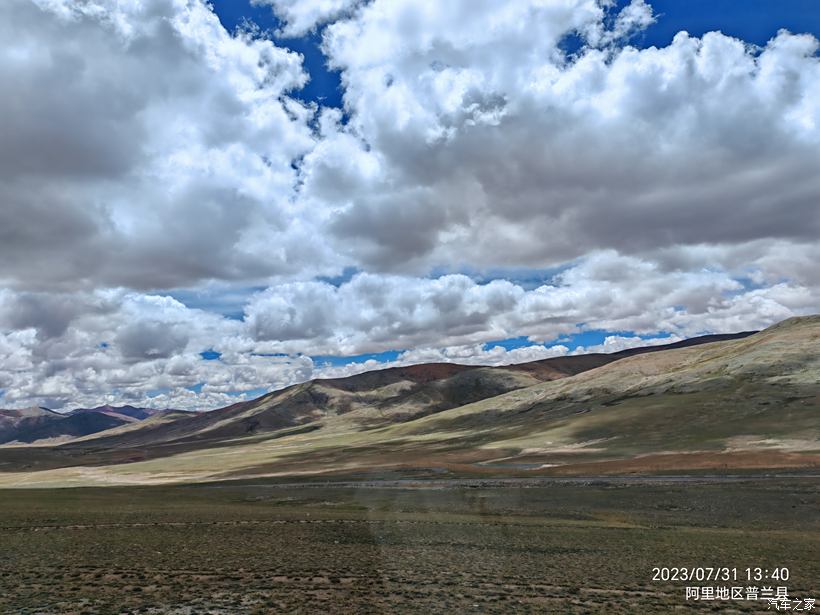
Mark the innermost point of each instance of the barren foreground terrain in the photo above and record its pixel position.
(440, 546)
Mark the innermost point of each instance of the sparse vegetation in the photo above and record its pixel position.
(575, 547)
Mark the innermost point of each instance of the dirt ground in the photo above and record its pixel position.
(473, 546)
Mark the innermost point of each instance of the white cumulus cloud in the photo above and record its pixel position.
(156, 169)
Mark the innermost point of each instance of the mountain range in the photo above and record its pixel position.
(29, 425)
(726, 402)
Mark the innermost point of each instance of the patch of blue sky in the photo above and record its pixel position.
(343, 278)
(594, 337)
(210, 355)
(526, 277)
(197, 388)
(229, 302)
(753, 21)
(747, 285)
(325, 86)
(582, 339)
(249, 394)
(511, 343)
(337, 361)
(157, 392)
(586, 339)
(658, 335)
(572, 43)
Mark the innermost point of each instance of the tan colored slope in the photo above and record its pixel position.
(750, 403)
(368, 400)
(760, 392)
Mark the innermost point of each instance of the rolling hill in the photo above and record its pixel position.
(369, 400)
(746, 401)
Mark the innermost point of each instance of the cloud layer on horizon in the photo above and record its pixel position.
(667, 190)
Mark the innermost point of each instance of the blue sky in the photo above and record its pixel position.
(584, 339)
(754, 21)
(324, 87)
(185, 224)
